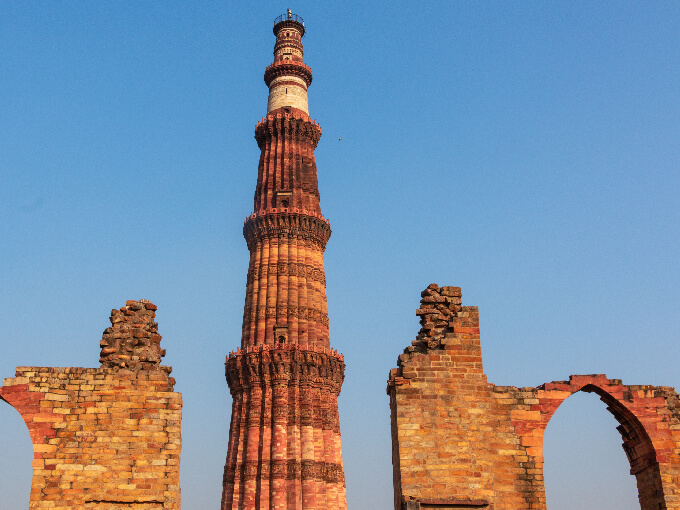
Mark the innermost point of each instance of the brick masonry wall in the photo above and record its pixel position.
(106, 438)
(101, 438)
(461, 442)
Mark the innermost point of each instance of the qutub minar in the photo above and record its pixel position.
(109, 438)
(284, 438)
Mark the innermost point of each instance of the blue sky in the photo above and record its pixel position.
(525, 151)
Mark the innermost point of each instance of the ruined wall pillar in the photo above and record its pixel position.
(459, 441)
(104, 438)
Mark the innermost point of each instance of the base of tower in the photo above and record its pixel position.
(284, 438)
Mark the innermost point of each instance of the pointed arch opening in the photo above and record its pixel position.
(584, 465)
(16, 459)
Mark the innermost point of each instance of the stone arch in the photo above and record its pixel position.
(38, 420)
(439, 394)
(637, 444)
(647, 418)
(636, 441)
(16, 461)
(581, 444)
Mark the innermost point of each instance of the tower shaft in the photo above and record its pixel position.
(284, 440)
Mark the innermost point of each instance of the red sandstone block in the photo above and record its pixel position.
(531, 440)
(518, 415)
(9, 390)
(466, 330)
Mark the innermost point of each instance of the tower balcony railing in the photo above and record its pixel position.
(289, 17)
(289, 64)
(288, 67)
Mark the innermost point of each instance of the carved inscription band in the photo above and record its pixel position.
(287, 269)
(288, 470)
(325, 417)
(295, 366)
(288, 42)
(300, 312)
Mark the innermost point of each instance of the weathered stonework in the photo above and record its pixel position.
(133, 341)
(106, 438)
(461, 442)
(284, 438)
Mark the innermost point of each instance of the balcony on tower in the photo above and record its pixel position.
(289, 17)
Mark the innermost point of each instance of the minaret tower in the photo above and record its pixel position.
(284, 438)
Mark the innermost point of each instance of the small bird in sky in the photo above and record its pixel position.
(339, 138)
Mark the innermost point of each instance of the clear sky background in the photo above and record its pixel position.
(525, 151)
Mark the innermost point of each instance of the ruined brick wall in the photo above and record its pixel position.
(461, 442)
(107, 438)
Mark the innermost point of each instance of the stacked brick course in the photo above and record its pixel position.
(107, 438)
(284, 439)
(461, 442)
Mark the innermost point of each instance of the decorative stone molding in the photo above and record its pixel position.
(292, 225)
(288, 68)
(289, 470)
(299, 312)
(281, 123)
(287, 269)
(257, 366)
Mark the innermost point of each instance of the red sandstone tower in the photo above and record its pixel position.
(284, 438)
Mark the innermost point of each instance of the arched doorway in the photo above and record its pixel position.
(648, 421)
(585, 466)
(16, 469)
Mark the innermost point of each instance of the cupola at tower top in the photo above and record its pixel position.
(288, 20)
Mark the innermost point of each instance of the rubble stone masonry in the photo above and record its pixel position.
(104, 438)
(461, 442)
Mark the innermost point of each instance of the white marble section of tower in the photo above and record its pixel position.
(288, 77)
